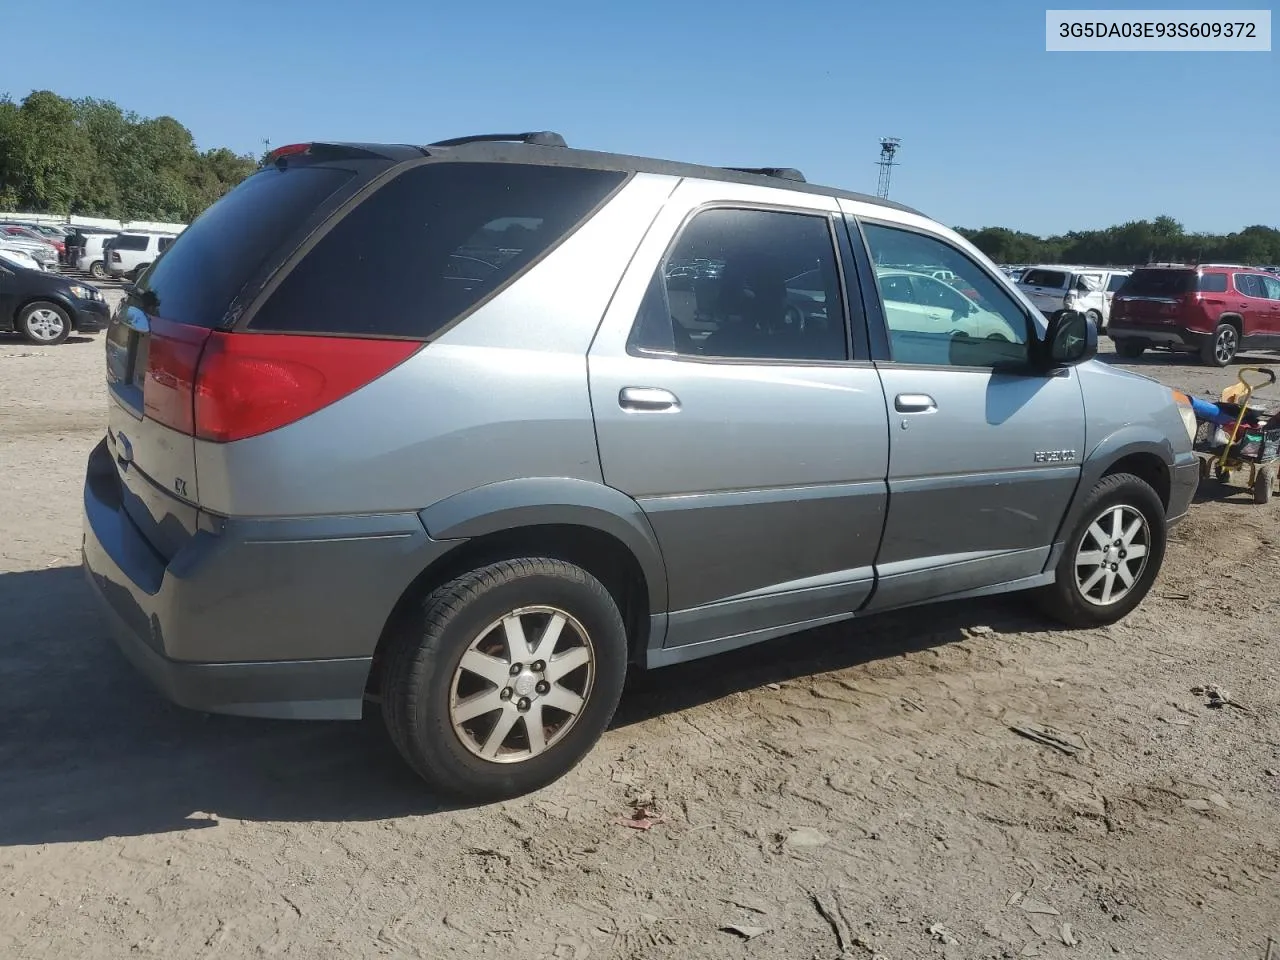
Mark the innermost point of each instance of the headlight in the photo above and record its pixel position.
(1186, 412)
(85, 293)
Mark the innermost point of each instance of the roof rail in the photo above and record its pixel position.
(541, 138)
(782, 173)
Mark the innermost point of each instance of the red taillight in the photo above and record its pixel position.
(291, 150)
(173, 356)
(230, 386)
(115, 257)
(252, 383)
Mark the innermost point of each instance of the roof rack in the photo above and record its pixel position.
(782, 173)
(541, 138)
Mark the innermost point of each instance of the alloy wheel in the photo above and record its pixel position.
(45, 324)
(1225, 346)
(522, 684)
(1112, 555)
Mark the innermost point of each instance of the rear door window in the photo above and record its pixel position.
(1045, 278)
(1116, 282)
(1213, 283)
(747, 285)
(1250, 285)
(213, 258)
(131, 241)
(428, 246)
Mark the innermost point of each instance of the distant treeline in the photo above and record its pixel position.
(1139, 241)
(91, 158)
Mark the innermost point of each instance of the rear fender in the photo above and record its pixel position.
(538, 501)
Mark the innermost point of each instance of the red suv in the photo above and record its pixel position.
(1211, 310)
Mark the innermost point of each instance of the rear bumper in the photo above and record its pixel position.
(267, 618)
(1161, 335)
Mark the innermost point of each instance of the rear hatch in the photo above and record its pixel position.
(1047, 289)
(1153, 295)
(159, 332)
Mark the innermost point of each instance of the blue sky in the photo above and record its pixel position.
(995, 130)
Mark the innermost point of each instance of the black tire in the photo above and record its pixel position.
(1220, 349)
(1263, 484)
(35, 323)
(1130, 349)
(98, 270)
(1064, 600)
(425, 651)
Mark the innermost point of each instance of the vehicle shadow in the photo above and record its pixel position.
(88, 750)
(8, 337)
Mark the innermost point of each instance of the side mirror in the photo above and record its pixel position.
(1070, 339)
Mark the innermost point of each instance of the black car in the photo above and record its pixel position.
(45, 307)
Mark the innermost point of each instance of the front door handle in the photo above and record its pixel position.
(648, 400)
(914, 403)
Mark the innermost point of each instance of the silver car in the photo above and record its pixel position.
(451, 430)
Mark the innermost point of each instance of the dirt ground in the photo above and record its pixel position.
(855, 790)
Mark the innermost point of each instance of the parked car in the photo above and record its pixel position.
(1210, 310)
(20, 238)
(334, 475)
(18, 259)
(91, 255)
(78, 242)
(45, 308)
(33, 231)
(129, 254)
(21, 249)
(1087, 289)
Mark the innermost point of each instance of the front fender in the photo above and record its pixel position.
(1129, 440)
(540, 501)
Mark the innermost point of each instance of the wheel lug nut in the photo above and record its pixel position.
(542, 686)
(523, 705)
(516, 668)
(506, 693)
(539, 667)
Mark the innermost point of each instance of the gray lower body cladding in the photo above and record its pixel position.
(273, 618)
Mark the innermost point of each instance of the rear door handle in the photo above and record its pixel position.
(914, 403)
(648, 400)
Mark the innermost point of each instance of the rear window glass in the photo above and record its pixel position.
(130, 241)
(1116, 282)
(430, 245)
(1044, 278)
(1160, 283)
(208, 263)
(1213, 283)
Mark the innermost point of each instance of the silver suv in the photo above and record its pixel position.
(467, 430)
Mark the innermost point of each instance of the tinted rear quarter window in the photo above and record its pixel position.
(1044, 278)
(1160, 283)
(131, 241)
(431, 244)
(209, 262)
(1213, 283)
